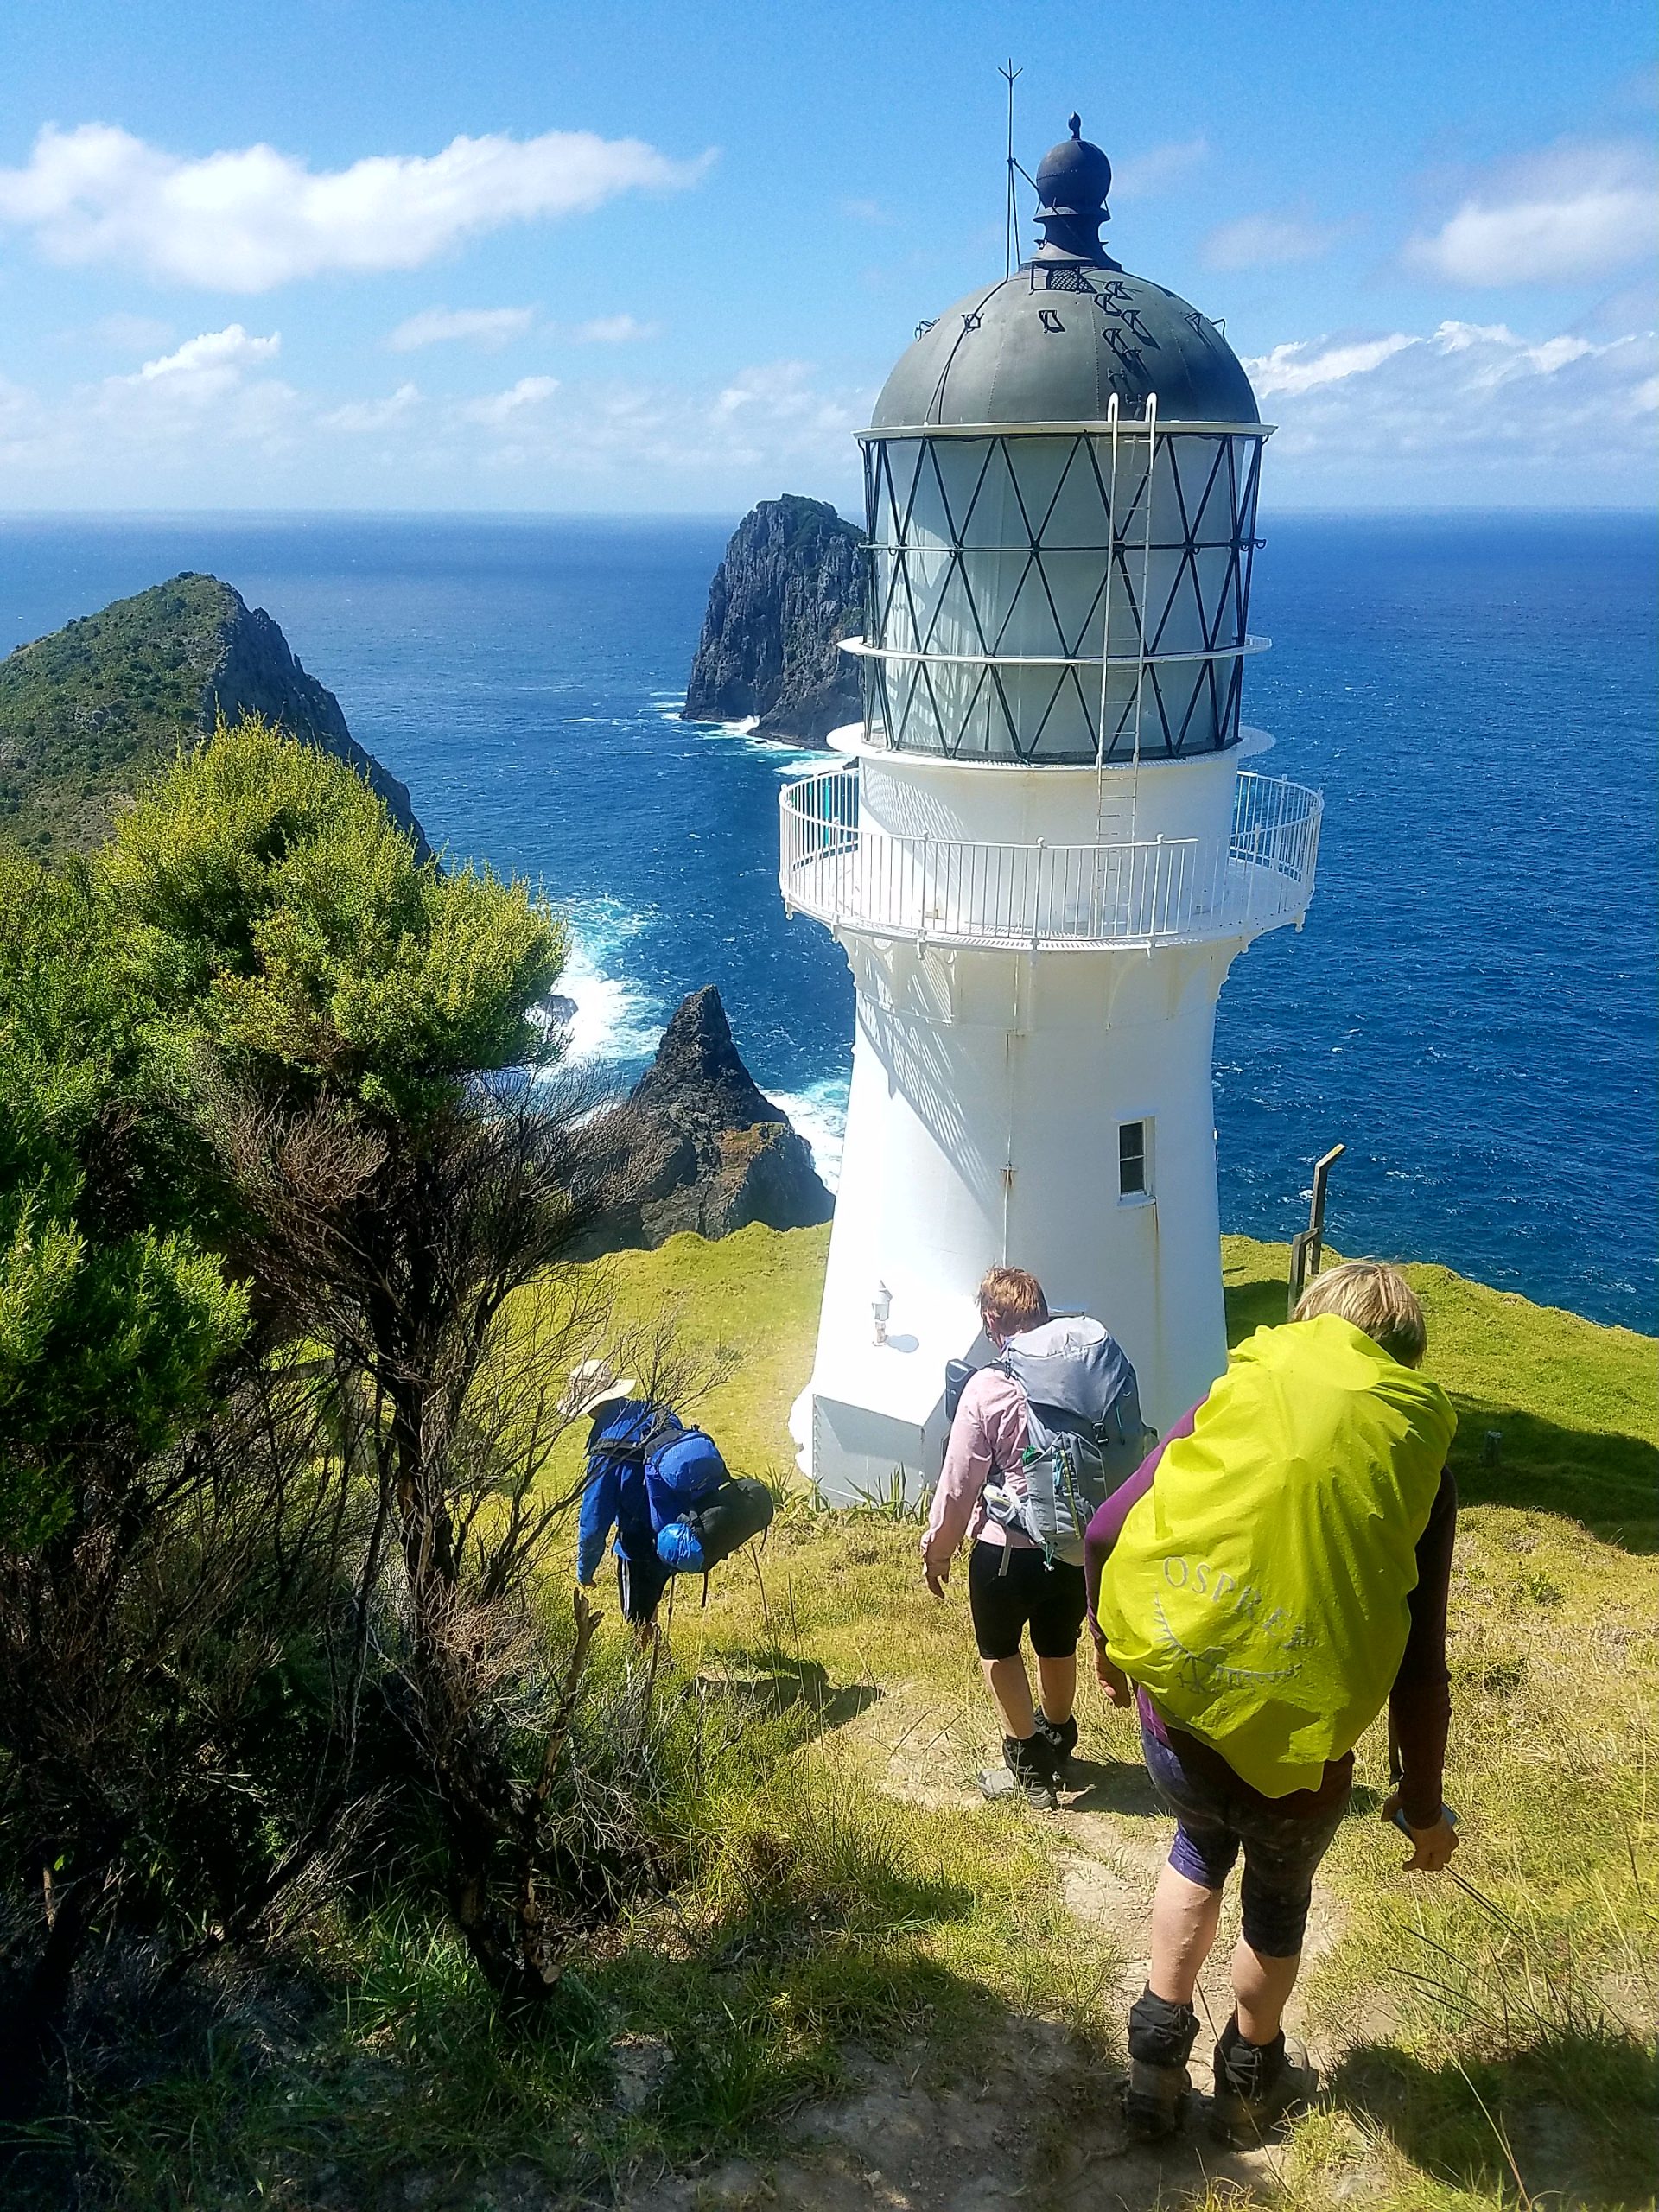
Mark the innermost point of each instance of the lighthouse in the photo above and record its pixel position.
(1041, 849)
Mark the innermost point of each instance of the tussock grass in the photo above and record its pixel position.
(1487, 2041)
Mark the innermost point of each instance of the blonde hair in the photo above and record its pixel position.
(1012, 1299)
(1378, 1300)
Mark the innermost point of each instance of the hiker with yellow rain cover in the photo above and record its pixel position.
(1260, 1586)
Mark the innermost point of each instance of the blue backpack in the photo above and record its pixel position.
(682, 1468)
(675, 1490)
(617, 1443)
(702, 1512)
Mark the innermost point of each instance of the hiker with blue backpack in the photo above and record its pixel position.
(1039, 1438)
(661, 1486)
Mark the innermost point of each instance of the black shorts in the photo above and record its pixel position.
(1049, 1600)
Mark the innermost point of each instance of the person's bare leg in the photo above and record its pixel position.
(1262, 1987)
(1010, 1689)
(1185, 1918)
(1059, 1679)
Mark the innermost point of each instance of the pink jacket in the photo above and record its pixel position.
(986, 1437)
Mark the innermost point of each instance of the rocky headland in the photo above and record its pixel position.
(89, 712)
(790, 586)
(698, 1145)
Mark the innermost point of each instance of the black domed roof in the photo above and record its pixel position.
(1074, 176)
(1054, 345)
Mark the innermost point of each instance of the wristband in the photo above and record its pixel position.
(1398, 1816)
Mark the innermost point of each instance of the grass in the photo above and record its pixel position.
(1487, 2042)
(820, 1915)
(1571, 1403)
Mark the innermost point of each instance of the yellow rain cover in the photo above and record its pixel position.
(1258, 1591)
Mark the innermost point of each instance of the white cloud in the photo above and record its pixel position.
(1468, 412)
(214, 426)
(1303, 364)
(615, 330)
(493, 327)
(1504, 354)
(501, 406)
(1267, 241)
(214, 358)
(770, 423)
(780, 391)
(369, 415)
(202, 407)
(489, 328)
(1572, 215)
(246, 220)
(19, 410)
(1142, 177)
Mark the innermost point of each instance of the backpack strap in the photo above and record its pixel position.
(637, 1449)
(667, 1423)
(623, 1446)
(1000, 1367)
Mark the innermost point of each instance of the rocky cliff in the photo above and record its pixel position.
(790, 585)
(87, 712)
(699, 1146)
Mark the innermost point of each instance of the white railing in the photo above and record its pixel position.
(1049, 897)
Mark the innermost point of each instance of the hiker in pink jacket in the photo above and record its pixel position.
(1011, 1590)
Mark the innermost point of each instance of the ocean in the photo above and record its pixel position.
(1470, 1009)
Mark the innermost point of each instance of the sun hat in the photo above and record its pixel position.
(595, 1384)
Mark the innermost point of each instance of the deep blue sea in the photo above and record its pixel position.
(1470, 1009)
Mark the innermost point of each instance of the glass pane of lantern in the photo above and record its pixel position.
(1053, 509)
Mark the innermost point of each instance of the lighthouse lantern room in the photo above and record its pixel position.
(1040, 851)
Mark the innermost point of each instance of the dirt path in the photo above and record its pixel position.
(1039, 2127)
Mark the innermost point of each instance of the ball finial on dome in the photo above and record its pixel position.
(1073, 181)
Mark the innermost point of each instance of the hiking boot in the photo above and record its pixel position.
(1256, 2085)
(1028, 1772)
(1061, 1737)
(1161, 2036)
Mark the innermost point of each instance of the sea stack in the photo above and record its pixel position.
(699, 1146)
(789, 588)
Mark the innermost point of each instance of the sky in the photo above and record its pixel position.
(517, 254)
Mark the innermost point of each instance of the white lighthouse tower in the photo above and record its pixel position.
(1040, 852)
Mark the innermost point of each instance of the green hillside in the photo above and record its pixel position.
(90, 713)
(876, 1990)
(86, 712)
(1573, 1404)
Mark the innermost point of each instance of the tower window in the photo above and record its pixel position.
(1135, 1160)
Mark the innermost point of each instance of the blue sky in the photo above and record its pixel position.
(387, 253)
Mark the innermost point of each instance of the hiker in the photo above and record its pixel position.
(661, 1486)
(1031, 1432)
(1272, 1573)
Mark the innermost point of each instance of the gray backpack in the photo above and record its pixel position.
(1084, 1432)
